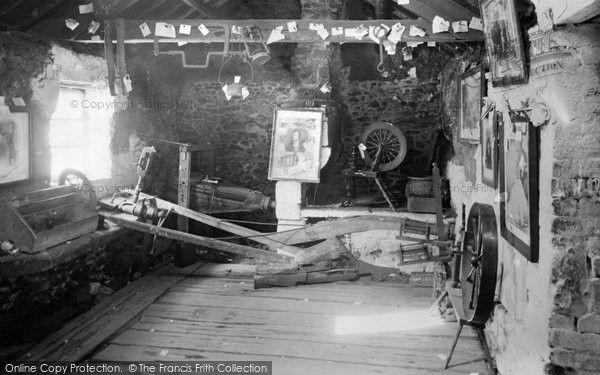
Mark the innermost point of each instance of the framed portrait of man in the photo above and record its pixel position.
(296, 144)
(503, 42)
(520, 186)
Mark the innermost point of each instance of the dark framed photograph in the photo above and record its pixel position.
(503, 42)
(489, 149)
(520, 185)
(471, 88)
(15, 145)
(296, 144)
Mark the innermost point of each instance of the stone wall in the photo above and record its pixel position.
(38, 293)
(575, 280)
(546, 316)
(412, 106)
(240, 128)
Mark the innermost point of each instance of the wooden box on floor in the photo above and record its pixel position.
(44, 218)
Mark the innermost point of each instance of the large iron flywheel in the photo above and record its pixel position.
(479, 263)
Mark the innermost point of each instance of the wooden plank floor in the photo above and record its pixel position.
(303, 330)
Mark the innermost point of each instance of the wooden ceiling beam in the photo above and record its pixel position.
(204, 9)
(118, 8)
(303, 35)
(403, 13)
(176, 12)
(8, 8)
(40, 12)
(190, 13)
(449, 10)
(464, 4)
(152, 8)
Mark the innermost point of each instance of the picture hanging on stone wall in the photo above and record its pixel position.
(489, 149)
(503, 42)
(15, 153)
(519, 183)
(470, 92)
(296, 144)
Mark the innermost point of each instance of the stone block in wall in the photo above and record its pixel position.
(564, 339)
(593, 246)
(575, 359)
(595, 266)
(589, 323)
(576, 226)
(593, 293)
(562, 321)
(573, 175)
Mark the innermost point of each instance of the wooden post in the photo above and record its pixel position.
(183, 186)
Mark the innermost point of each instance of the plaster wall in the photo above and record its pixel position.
(561, 75)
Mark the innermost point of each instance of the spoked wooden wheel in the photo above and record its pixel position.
(479, 263)
(80, 184)
(390, 139)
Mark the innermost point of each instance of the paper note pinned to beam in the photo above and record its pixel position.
(337, 30)
(185, 29)
(93, 27)
(292, 26)
(402, 2)
(323, 33)
(86, 8)
(396, 33)
(71, 23)
(165, 30)
(276, 35)
(460, 26)
(476, 24)
(439, 25)
(415, 31)
(145, 29)
(203, 29)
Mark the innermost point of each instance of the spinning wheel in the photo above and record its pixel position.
(79, 183)
(384, 145)
(479, 263)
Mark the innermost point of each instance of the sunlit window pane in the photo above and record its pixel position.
(80, 133)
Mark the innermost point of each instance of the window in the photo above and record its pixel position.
(80, 132)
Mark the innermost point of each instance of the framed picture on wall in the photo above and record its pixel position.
(519, 184)
(470, 91)
(503, 42)
(489, 149)
(296, 144)
(15, 145)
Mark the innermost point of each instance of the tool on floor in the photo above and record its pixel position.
(341, 266)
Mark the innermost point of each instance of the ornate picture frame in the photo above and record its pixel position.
(471, 88)
(503, 42)
(489, 149)
(519, 186)
(15, 145)
(296, 144)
